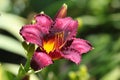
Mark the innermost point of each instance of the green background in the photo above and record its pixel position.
(99, 23)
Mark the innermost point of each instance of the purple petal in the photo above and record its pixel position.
(68, 25)
(31, 34)
(55, 55)
(72, 55)
(83, 46)
(40, 60)
(44, 21)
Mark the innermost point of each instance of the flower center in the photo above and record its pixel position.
(54, 43)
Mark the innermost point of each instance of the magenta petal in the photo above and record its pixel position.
(40, 60)
(68, 25)
(55, 55)
(83, 46)
(31, 34)
(44, 21)
(73, 28)
(72, 55)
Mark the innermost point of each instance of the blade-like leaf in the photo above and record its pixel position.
(11, 23)
(13, 68)
(10, 44)
(113, 75)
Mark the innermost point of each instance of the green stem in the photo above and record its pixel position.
(23, 70)
(27, 65)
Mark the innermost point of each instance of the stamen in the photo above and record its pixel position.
(59, 39)
(54, 43)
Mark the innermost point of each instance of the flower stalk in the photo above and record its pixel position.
(23, 73)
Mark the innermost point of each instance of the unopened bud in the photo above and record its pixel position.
(62, 12)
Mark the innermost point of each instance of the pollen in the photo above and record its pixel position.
(54, 43)
(49, 45)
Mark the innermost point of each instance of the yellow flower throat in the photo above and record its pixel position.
(54, 43)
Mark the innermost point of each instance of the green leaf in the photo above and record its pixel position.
(5, 5)
(90, 20)
(116, 46)
(115, 20)
(113, 75)
(10, 44)
(3, 75)
(99, 6)
(31, 49)
(12, 23)
(21, 71)
(10, 75)
(13, 68)
(25, 45)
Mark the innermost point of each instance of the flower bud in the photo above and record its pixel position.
(62, 12)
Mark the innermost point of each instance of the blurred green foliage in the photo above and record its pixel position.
(99, 23)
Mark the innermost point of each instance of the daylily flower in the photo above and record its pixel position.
(55, 39)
